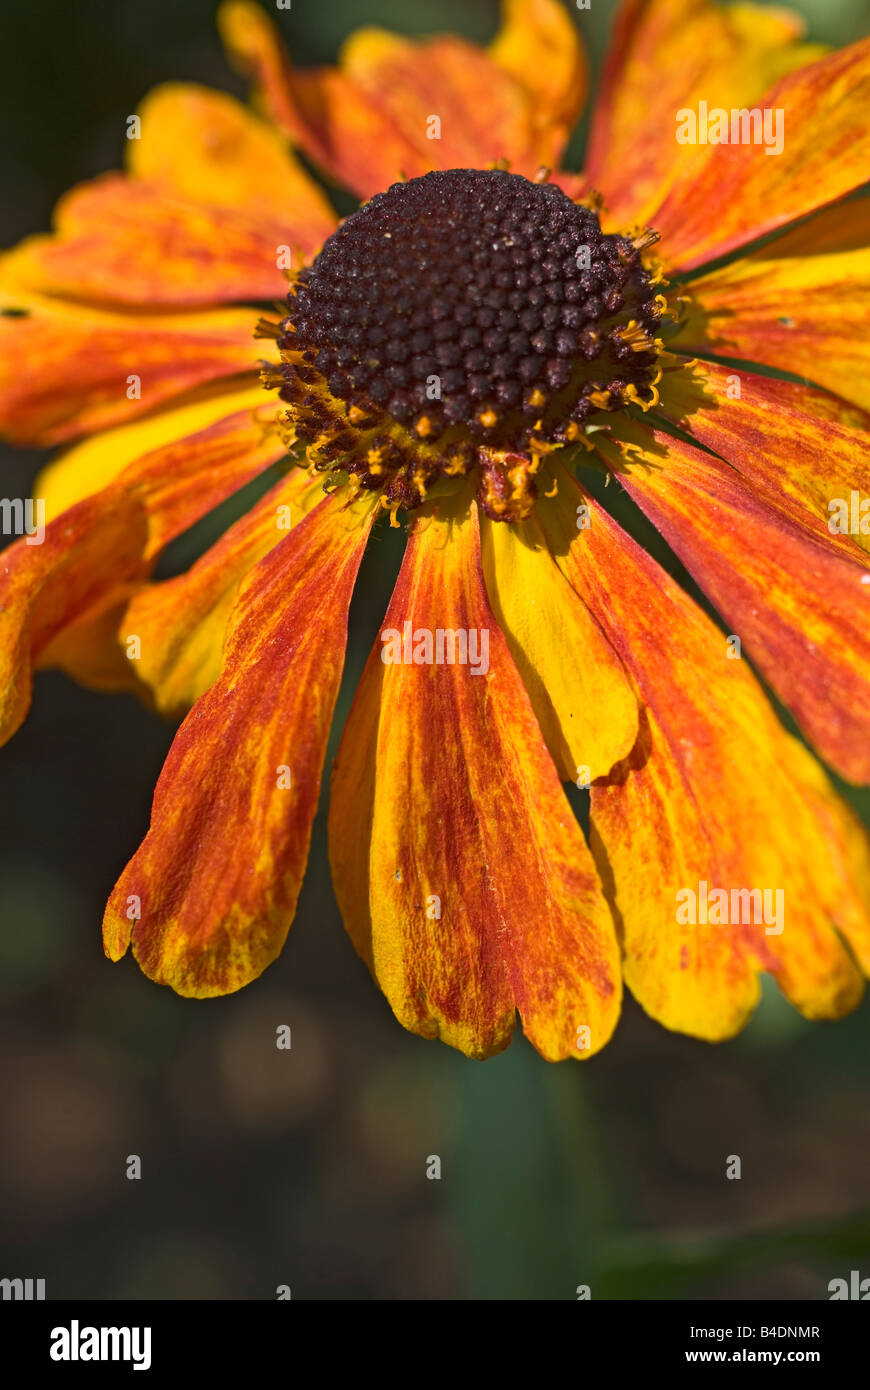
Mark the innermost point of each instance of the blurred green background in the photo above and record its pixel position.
(308, 1168)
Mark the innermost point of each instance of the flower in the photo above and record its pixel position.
(556, 323)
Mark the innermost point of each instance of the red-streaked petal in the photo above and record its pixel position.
(209, 149)
(183, 480)
(464, 880)
(800, 607)
(801, 448)
(208, 898)
(122, 241)
(582, 698)
(540, 47)
(666, 56)
(91, 464)
(181, 623)
(801, 304)
(742, 192)
(93, 553)
(715, 792)
(91, 652)
(320, 109)
(66, 371)
(368, 122)
(94, 549)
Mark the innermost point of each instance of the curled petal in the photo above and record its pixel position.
(93, 550)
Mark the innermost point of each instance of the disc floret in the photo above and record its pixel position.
(465, 320)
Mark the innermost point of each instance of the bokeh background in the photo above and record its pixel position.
(308, 1167)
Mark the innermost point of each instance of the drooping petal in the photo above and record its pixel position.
(94, 549)
(181, 622)
(463, 878)
(67, 371)
(91, 464)
(806, 451)
(207, 148)
(743, 191)
(91, 650)
(208, 898)
(666, 56)
(801, 304)
(92, 554)
(122, 241)
(716, 795)
(582, 698)
(187, 478)
(800, 607)
(397, 108)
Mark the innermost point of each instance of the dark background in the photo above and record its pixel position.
(307, 1168)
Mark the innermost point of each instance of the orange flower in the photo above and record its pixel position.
(445, 354)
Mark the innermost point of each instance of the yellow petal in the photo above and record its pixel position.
(207, 147)
(581, 695)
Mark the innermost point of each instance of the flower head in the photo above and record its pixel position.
(472, 352)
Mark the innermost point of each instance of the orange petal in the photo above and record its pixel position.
(181, 623)
(91, 464)
(800, 607)
(121, 241)
(321, 110)
(208, 898)
(94, 552)
(65, 371)
(742, 192)
(462, 875)
(94, 549)
(540, 47)
(665, 56)
(91, 652)
(716, 793)
(583, 700)
(802, 448)
(207, 148)
(396, 107)
(187, 478)
(801, 304)
(483, 113)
